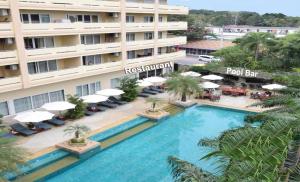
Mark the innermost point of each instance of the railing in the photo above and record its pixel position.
(9, 84)
(74, 5)
(69, 28)
(172, 26)
(141, 44)
(8, 58)
(4, 4)
(171, 56)
(139, 27)
(178, 10)
(141, 60)
(139, 8)
(73, 73)
(171, 41)
(72, 51)
(6, 30)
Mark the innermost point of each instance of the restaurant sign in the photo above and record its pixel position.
(148, 68)
(241, 72)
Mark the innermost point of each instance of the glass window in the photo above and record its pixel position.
(159, 50)
(148, 19)
(89, 39)
(32, 68)
(79, 91)
(160, 19)
(29, 43)
(39, 43)
(79, 18)
(52, 65)
(45, 18)
(92, 88)
(151, 73)
(39, 100)
(4, 109)
(98, 86)
(115, 83)
(129, 19)
(25, 18)
(91, 60)
(130, 37)
(87, 19)
(142, 75)
(159, 72)
(148, 35)
(35, 18)
(23, 104)
(57, 96)
(43, 66)
(95, 19)
(160, 35)
(49, 42)
(85, 89)
(96, 39)
(130, 54)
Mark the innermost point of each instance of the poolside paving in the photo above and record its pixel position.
(45, 141)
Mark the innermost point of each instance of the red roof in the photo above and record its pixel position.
(208, 44)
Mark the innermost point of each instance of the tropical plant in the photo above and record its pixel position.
(154, 101)
(182, 86)
(78, 131)
(265, 153)
(78, 112)
(130, 87)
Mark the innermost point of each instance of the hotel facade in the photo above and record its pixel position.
(52, 48)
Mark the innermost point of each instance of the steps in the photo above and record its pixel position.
(173, 109)
(47, 170)
(126, 134)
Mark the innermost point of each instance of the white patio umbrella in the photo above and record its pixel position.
(209, 85)
(91, 99)
(212, 77)
(110, 92)
(34, 116)
(273, 87)
(58, 106)
(155, 80)
(191, 73)
(142, 83)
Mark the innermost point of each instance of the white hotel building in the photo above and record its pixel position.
(52, 48)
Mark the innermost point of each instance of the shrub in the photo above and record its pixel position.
(130, 87)
(78, 112)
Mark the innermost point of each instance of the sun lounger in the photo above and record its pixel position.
(107, 104)
(117, 101)
(96, 108)
(88, 113)
(148, 91)
(18, 128)
(144, 95)
(56, 122)
(156, 89)
(41, 126)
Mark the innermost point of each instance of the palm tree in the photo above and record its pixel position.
(154, 102)
(77, 130)
(255, 42)
(255, 153)
(183, 86)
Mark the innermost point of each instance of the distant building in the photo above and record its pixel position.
(204, 47)
(232, 32)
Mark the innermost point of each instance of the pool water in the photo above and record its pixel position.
(143, 158)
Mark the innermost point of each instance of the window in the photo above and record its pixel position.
(115, 83)
(45, 18)
(159, 50)
(129, 19)
(160, 35)
(90, 39)
(4, 109)
(159, 72)
(22, 104)
(148, 19)
(95, 19)
(87, 18)
(88, 89)
(91, 60)
(42, 66)
(39, 100)
(148, 52)
(38, 43)
(148, 35)
(130, 54)
(25, 18)
(57, 96)
(84, 18)
(35, 18)
(151, 73)
(130, 37)
(160, 19)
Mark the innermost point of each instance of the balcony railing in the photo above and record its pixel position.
(178, 10)
(4, 4)
(139, 8)
(172, 26)
(74, 5)
(6, 30)
(8, 58)
(69, 28)
(171, 41)
(140, 61)
(171, 56)
(74, 73)
(140, 44)
(139, 27)
(9, 84)
(72, 51)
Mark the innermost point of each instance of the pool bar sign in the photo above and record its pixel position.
(148, 68)
(241, 72)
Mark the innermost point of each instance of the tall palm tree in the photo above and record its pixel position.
(255, 153)
(183, 86)
(255, 42)
(77, 130)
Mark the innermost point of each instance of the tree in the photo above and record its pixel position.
(154, 102)
(78, 131)
(183, 86)
(79, 110)
(130, 87)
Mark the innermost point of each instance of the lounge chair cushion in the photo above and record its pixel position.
(22, 129)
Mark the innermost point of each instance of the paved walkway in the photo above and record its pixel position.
(45, 141)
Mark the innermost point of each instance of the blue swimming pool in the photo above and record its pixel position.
(143, 158)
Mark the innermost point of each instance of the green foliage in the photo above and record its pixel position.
(130, 87)
(154, 101)
(183, 86)
(78, 112)
(77, 130)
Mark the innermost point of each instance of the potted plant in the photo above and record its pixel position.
(78, 131)
(154, 101)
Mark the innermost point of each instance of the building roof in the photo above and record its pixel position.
(208, 44)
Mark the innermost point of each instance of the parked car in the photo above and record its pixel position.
(208, 58)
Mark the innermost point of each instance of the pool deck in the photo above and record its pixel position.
(45, 142)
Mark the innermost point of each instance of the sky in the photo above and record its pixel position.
(288, 7)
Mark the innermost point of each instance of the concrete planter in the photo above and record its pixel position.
(157, 115)
(186, 104)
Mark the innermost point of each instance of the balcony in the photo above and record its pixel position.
(171, 41)
(140, 8)
(171, 56)
(74, 5)
(8, 58)
(139, 27)
(140, 61)
(4, 4)
(9, 84)
(177, 10)
(71, 51)
(48, 29)
(74, 73)
(140, 44)
(6, 30)
(172, 26)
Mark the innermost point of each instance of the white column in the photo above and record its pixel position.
(156, 22)
(123, 33)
